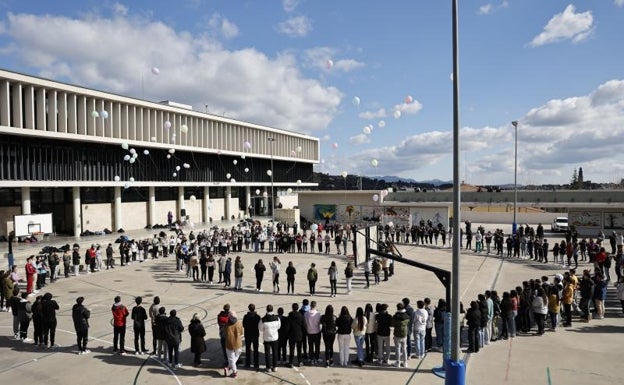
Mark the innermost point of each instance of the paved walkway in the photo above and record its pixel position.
(585, 353)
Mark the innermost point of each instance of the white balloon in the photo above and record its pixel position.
(228, 175)
(265, 194)
(344, 174)
(132, 151)
(186, 165)
(172, 150)
(135, 155)
(95, 114)
(246, 169)
(397, 114)
(298, 181)
(167, 124)
(168, 156)
(314, 227)
(131, 179)
(235, 162)
(243, 156)
(145, 152)
(390, 224)
(117, 178)
(374, 163)
(193, 198)
(375, 197)
(155, 71)
(329, 64)
(247, 145)
(257, 191)
(184, 128)
(381, 124)
(104, 114)
(124, 145)
(299, 149)
(127, 157)
(153, 138)
(292, 153)
(175, 174)
(289, 190)
(178, 168)
(356, 101)
(132, 160)
(269, 172)
(366, 130)
(232, 180)
(126, 185)
(384, 193)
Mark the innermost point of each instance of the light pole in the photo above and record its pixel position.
(271, 141)
(515, 224)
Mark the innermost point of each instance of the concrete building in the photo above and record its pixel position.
(97, 160)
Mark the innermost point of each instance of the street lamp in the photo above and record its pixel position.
(271, 141)
(515, 224)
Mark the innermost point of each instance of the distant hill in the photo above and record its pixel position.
(394, 179)
(355, 182)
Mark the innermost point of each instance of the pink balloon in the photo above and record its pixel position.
(375, 197)
(335, 145)
(293, 153)
(409, 99)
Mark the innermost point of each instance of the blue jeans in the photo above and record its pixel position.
(419, 336)
(359, 344)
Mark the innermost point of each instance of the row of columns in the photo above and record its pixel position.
(117, 219)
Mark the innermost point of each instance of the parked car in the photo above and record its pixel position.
(559, 224)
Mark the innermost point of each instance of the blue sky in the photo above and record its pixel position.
(555, 66)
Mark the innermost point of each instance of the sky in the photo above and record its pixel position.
(372, 79)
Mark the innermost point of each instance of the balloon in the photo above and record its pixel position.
(186, 165)
(314, 227)
(381, 124)
(145, 152)
(172, 140)
(289, 191)
(172, 150)
(155, 71)
(178, 168)
(265, 194)
(132, 160)
(384, 193)
(397, 114)
(135, 155)
(366, 130)
(269, 172)
(246, 169)
(117, 178)
(167, 124)
(292, 153)
(168, 156)
(329, 64)
(235, 162)
(228, 175)
(298, 181)
(409, 99)
(247, 146)
(193, 198)
(218, 152)
(153, 138)
(243, 156)
(126, 157)
(335, 145)
(344, 174)
(124, 145)
(257, 191)
(132, 151)
(131, 179)
(95, 114)
(232, 180)
(355, 101)
(175, 174)
(374, 162)
(104, 114)
(390, 224)
(126, 185)
(184, 128)
(375, 197)
(299, 149)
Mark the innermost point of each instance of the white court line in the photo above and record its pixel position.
(302, 376)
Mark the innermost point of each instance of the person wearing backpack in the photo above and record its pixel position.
(312, 278)
(349, 276)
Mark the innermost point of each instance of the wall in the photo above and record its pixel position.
(162, 208)
(288, 216)
(97, 216)
(288, 201)
(133, 215)
(6, 218)
(530, 218)
(307, 200)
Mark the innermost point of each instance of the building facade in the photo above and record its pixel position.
(97, 160)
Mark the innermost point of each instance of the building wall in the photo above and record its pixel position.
(97, 217)
(162, 208)
(356, 198)
(288, 201)
(133, 215)
(6, 218)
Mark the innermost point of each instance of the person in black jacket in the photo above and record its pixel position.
(80, 316)
(383, 334)
(173, 336)
(139, 316)
(473, 318)
(252, 336)
(296, 326)
(283, 333)
(198, 344)
(48, 310)
(160, 324)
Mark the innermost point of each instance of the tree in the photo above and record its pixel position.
(574, 181)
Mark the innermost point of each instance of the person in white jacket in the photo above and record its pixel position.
(419, 324)
(269, 326)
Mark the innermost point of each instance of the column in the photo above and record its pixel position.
(118, 221)
(247, 199)
(77, 216)
(181, 205)
(151, 191)
(206, 204)
(228, 197)
(26, 201)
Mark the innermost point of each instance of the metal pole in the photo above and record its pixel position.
(514, 226)
(272, 140)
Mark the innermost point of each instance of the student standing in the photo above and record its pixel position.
(153, 313)
(80, 316)
(139, 316)
(173, 336)
(48, 312)
(312, 278)
(120, 313)
(252, 336)
(198, 344)
(233, 345)
(269, 326)
(290, 278)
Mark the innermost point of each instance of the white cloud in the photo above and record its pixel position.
(405, 108)
(317, 57)
(115, 54)
(565, 25)
(347, 65)
(290, 5)
(359, 139)
(619, 3)
(223, 26)
(380, 113)
(298, 26)
(120, 9)
(489, 8)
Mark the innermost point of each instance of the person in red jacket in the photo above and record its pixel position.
(120, 313)
(30, 275)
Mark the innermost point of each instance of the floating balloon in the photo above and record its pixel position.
(132, 160)
(390, 224)
(243, 156)
(145, 152)
(409, 99)
(175, 174)
(335, 145)
(228, 175)
(289, 191)
(375, 197)
(314, 227)
(184, 128)
(131, 180)
(193, 198)
(292, 153)
(116, 178)
(178, 168)
(356, 101)
(384, 193)
(155, 71)
(298, 181)
(366, 130)
(124, 145)
(168, 156)
(269, 172)
(265, 194)
(127, 157)
(247, 146)
(246, 169)
(104, 114)
(172, 150)
(135, 155)
(218, 152)
(132, 151)
(381, 124)
(374, 163)
(186, 165)
(344, 174)
(299, 149)
(257, 191)
(167, 124)
(397, 114)
(153, 138)
(329, 64)
(232, 180)
(95, 114)
(126, 185)
(235, 162)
